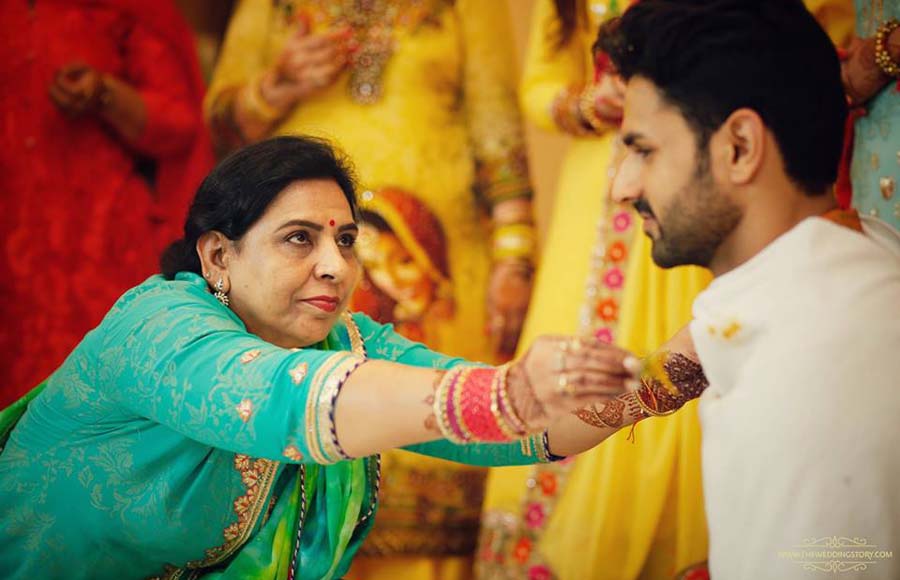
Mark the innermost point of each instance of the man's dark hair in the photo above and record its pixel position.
(240, 189)
(709, 58)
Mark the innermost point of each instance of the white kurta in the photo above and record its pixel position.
(801, 421)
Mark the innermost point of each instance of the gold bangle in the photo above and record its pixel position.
(511, 425)
(441, 404)
(565, 112)
(514, 241)
(505, 428)
(882, 57)
(257, 105)
(588, 109)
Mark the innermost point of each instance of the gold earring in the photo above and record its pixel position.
(219, 294)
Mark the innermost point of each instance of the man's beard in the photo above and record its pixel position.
(696, 223)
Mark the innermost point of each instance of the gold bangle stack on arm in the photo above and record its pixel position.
(882, 56)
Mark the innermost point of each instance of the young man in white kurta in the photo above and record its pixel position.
(734, 115)
(801, 455)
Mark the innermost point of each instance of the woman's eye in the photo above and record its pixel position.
(643, 153)
(299, 238)
(347, 240)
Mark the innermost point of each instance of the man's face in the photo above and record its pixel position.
(687, 214)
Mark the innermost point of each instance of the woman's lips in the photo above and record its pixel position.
(326, 303)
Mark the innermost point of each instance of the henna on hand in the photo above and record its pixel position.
(609, 416)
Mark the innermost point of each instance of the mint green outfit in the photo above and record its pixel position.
(875, 169)
(170, 443)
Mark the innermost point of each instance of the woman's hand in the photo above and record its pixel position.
(560, 374)
(608, 98)
(307, 64)
(509, 292)
(76, 89)
(861, 75)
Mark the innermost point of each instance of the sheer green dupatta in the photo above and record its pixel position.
(11, 415)
(338, 496)
(337, 506)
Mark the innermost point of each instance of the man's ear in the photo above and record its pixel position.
(741, 144)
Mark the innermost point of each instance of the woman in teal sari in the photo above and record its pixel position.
(224, 419)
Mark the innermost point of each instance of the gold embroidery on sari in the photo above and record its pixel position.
(357, 346)
(257, 476)
(250, 356)
(314, 430)
(245, 409)
(293, 453)
(298, 373)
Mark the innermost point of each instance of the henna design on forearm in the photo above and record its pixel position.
(609, 416)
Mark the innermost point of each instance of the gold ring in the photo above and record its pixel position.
(564, 386)
(560, 364)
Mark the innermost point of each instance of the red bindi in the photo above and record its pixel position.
(331, 223)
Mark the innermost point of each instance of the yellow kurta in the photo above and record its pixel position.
(622, 510)
(441, 143)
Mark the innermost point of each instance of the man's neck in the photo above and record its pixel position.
(769, 216)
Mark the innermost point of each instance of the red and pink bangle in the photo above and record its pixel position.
(472, 404)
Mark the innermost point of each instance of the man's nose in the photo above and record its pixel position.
(626, 186)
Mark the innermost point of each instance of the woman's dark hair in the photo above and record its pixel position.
(241, 187)
(709, 58)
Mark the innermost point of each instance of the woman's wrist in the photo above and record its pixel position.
(566, 112)
(267, 99)
(481, 404)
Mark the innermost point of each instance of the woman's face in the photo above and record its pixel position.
(293, 272)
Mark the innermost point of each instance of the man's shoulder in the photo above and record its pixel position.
(831, 262)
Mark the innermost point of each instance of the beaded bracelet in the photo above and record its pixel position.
(882, 56)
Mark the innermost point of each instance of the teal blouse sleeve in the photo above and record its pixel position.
(382, 342)
(176, 356)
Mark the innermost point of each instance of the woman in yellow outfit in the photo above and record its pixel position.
(632, 507)
(421, 95)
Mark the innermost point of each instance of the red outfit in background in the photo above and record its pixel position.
(79, 224)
